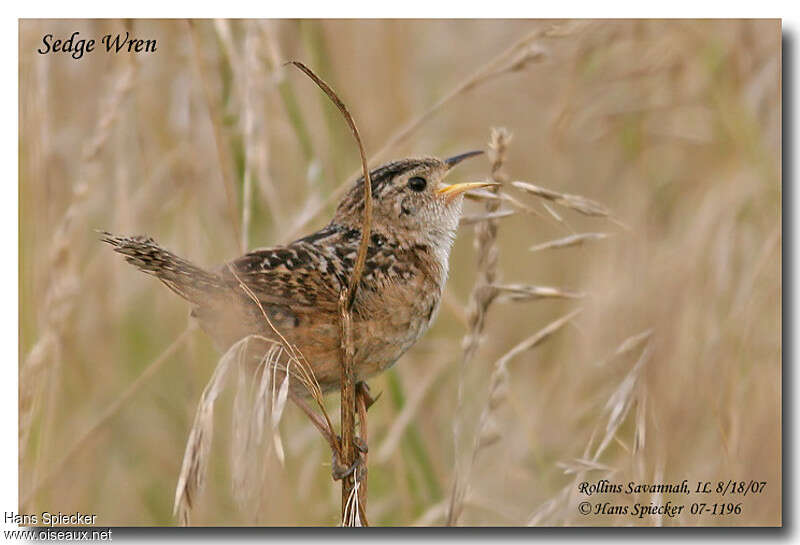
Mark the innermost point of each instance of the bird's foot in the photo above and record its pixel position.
(340, 470)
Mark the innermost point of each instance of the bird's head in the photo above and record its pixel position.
(411, 200)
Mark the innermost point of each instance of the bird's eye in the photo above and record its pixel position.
(416, 183)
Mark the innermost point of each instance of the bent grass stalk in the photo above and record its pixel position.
(348, 452)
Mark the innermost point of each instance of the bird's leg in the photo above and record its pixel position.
(362, 389)
(364, 401)
(318, 421)
(339, 470)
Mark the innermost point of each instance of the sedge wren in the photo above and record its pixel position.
(414, 221)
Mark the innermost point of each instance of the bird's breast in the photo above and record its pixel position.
(394, 310)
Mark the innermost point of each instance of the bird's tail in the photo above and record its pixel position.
(184, 278)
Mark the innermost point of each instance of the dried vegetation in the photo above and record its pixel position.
(613, 310)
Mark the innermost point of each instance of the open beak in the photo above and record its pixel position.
(450, 192)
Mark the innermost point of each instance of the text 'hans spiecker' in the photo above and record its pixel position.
(110, 43)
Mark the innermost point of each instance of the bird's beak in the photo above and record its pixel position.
(453, 161)
(450, 192)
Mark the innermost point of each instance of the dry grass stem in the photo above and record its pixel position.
(536, 339)
(489, 194)
(578, 203)
(251, 150)
(550, 210)
(366, 224)
(628, 345)
(195, 458)
(488, 432)
(303, 370)
(242, 77)
(410, 410)
(260, 398)
(487, 250)
(513, 59)
(621, 401)
(39, 370)
(482, 296)
(477, 218)
(549, 508)
(58, 469)
(516, 204)
(611, 119)
(249, 79)
(526, 292)
(579, 465)
(566, 242)
(110, 113)
(362, 405)
(629, 392)
(351, 514)
(215, 117)
(347, 298)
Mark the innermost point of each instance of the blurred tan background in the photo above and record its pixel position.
(672, 125)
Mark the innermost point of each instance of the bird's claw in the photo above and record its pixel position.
(341, 471)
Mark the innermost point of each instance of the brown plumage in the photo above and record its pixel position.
(298, 285)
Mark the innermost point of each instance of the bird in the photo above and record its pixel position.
(415, 216)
